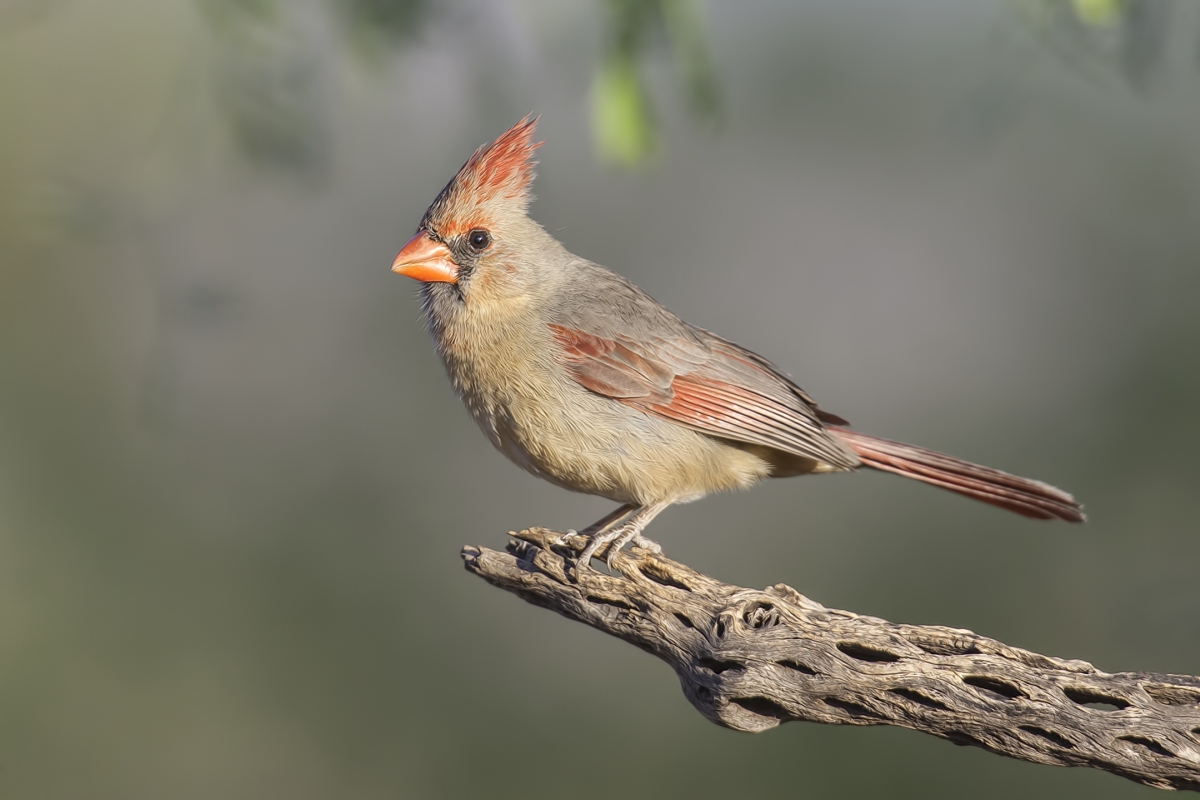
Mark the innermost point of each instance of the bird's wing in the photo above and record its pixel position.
(706, 383)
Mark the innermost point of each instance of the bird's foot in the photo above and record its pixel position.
(618, 537)
(614, 539)
(595, 542)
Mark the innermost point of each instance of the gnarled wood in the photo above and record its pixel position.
(750, 659)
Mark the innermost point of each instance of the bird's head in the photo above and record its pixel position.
(476, 241)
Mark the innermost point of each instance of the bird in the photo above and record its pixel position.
(582, 379)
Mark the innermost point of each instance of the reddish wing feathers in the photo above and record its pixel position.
(717, 392)
(725, 409)
(610, 368)
(1021, 495)
(737, 353)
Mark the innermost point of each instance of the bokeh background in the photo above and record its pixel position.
(234, 480)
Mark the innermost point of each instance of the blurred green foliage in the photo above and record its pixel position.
(622, 111)
(272, 97)
(1097, 35)
(273, 94)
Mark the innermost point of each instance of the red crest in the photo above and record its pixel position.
(498, 172)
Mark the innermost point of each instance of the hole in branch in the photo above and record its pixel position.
(920, 699)
(684, 620)
(521, 549)
(1093, 699)
(762, 706)
(1170, 695)
(1149, 744)
(720, 627)
(964, 739)
(850, 707)
(994, 686)
(659, 576)
(761, 615)
(719, 666)
(864, 652)
(796, 665)
(942, 647)
(611, 601)
(1050, 736)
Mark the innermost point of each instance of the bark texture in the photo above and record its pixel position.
(750, 659)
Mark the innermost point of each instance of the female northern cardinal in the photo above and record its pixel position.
(583, 379)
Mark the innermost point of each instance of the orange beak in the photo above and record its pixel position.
(426, 260)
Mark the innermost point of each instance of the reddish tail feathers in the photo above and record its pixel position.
(1024, 496)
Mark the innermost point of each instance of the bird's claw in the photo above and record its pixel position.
(608, 557)
(595, 542)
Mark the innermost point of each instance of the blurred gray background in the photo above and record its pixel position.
(234, 480)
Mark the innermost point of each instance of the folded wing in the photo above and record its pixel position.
(709, 385)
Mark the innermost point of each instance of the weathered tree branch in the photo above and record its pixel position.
(750, 659)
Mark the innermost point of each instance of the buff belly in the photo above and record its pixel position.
(598, 446)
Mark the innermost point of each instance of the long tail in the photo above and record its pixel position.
(1027, 497)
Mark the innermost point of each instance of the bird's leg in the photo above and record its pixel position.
(600, 525)
(632, 530)
(608, 520)
(620, 536)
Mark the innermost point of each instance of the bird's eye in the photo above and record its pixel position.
(479, 239)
